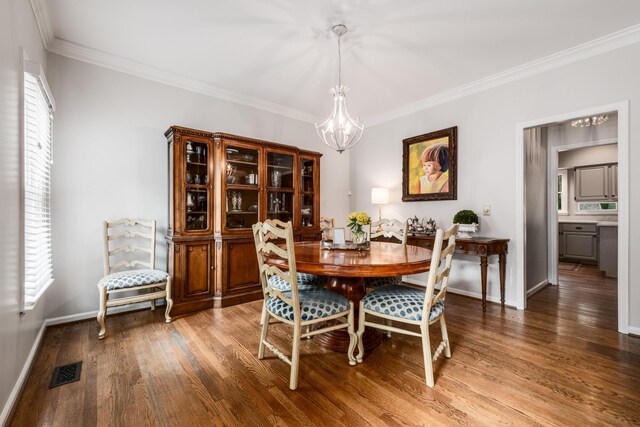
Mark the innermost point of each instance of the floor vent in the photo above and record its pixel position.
(65, 374)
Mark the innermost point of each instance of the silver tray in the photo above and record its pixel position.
(350, 246)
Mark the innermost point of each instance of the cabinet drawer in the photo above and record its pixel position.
(583, 228)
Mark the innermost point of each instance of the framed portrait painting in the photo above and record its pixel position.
(429, 169)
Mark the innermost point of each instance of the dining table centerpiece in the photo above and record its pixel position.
(356, 221)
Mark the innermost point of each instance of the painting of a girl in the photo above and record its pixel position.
(429, 166)
(435, 163)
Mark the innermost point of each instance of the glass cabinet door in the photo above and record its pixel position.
(307, 193)
(279, 176)
(241, 187)
(197, 194)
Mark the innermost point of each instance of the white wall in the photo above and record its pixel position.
(486, 155)
(111, 161)
(17, 332)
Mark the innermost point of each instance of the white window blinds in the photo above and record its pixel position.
(38, 156)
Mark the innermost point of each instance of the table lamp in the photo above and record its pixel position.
(379, 196)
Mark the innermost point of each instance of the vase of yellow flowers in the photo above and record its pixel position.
(356, 221)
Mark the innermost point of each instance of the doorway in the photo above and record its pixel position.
(622, 111)
(576, 221)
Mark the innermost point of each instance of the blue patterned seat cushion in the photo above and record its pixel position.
(305, 281)
(376, 282)
(132, 278)
(402, 302)
(315, 303)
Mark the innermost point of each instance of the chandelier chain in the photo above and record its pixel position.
(339, 62)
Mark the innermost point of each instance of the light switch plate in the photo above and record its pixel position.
(486, 210)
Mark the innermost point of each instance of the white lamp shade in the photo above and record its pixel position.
(379, 195)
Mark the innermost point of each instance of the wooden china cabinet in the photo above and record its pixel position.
(219, 186)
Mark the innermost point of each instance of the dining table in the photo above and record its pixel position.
(347, 269)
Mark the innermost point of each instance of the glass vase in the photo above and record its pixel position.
(359, 237)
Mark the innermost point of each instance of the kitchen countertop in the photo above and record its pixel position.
(607, 223)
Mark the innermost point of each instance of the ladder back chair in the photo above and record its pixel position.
(306, 281)
(129, 252)
(291, 305)
(396, 231)
(412, 306)
(326, 225)
(388, 229)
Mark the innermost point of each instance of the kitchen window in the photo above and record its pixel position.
(597, 207)
(563, 206)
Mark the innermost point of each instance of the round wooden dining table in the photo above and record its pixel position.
(347, 269)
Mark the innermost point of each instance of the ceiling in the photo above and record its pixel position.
(280, 55)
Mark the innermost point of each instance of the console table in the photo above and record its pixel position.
(483, 247)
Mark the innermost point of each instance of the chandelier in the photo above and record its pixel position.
(589, 121)
(340, 131)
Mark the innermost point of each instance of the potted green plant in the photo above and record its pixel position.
(468, 222)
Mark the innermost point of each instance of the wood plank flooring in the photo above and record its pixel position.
(560, 362)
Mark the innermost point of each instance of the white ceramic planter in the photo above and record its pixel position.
(465, 230)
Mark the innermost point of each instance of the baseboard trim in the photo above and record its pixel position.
(537, 288)
(471, 294)
(93, 314)
(22, 378)
(634, 331)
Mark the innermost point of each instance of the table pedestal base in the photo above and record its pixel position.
(352, 288)
(338, 341)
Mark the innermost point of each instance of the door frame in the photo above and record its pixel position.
(622, 108)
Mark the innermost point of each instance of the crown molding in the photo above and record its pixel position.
(595, 47)
(116, 63)
(41, 13)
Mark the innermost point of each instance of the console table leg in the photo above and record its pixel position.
(483, 278)
(502, 260)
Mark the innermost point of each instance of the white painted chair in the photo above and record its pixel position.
(287, 303)
(411, 306)
(305, 280)
(397, 232)
(326, 225)
(129, 254)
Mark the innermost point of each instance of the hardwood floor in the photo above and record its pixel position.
(561, 362)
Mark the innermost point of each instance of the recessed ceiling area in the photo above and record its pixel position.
(282, 55)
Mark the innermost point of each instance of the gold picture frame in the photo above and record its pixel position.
(429, 166)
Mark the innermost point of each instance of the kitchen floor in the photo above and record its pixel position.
(584, 286)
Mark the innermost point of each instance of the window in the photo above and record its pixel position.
(36, 175)
(598, 207)
(563, 207)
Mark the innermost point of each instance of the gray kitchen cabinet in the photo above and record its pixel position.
(608, 250)
(592, 183)
(579, 242)
(596, 183)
